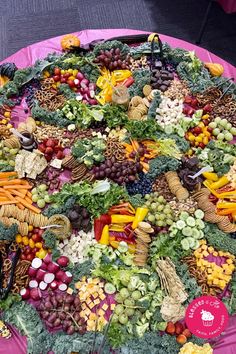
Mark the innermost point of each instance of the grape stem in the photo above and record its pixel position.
(61, 310)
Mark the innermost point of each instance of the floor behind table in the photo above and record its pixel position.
(27, 21)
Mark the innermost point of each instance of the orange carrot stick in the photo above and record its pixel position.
(29, 194)
(9, 182)
(4, 199)
(16, 186)
(8, 194)
(8, 202)
(28, 200)
(7, 174)
(14, 192)
(20, 206)
(29, 206)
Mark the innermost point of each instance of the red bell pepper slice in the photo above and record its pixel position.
(99, 224)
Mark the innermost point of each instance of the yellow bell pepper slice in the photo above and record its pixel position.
(226, 205)
(104, 240)
(117, 218)
(139, 216)
(211, 176)
(220, 183)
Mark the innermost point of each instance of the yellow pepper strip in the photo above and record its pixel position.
(226, 205)
(139, 216)
(230, 194)
(208, 185)
(117, 227)
(120, 219)
(104, 240)
(220, 183)
(211, 176)
(234, 215)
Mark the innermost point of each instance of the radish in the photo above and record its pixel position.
(62, 286)
(48, 258)
(25, 293)
(36, 263)
(35, 294)
(60, 274)
(48, 278)
(32, 272)
(84, 83)
(63, 261)
(33, 284)
(91, 93)
(76, 81)
(43, 285)
(53, 267)
(43, 266)
(92, 86)
(40, 274)
(80, 76)
(67, 277)
(92, 101)
(54, 285)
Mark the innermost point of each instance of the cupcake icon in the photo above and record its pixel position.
(207, 318)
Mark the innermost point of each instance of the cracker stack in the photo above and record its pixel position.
(175, 186)
(142, 233)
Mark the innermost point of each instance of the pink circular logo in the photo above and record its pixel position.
(206, 317)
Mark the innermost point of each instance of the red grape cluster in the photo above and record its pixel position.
(119, 172)
(113, 59)
(62, 311)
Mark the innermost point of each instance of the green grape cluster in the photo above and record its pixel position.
(40, 195)
(126, 308)
(222, 129)
(7, 155)
(160, 212)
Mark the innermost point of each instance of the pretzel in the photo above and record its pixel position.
(7, 263)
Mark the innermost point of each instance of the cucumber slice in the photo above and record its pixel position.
(180, 224)
(200, 224)
(173, 232)
(123, 247)
(201, 234)
(199, 214)
(191, 241)
(187, 231)
(180, 132)
(196, 234)
(183, 215)
(190, 221)
(196, 244)
(109, 288)
(168, 129)
(185, 244)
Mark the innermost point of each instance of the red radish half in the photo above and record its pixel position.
(35, 294)
(43, 266)
(60, 274)
(36, 263)
(53, 267)
(42, 285)
(53, 285)
(32, 272)
(49, 277)
(67, 277)
(33, 284)
(48, 258)
(63, 261)
(25, 293)
(62, 286)
(40, 274)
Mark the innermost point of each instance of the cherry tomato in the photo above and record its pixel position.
(57, 71)
(30, 257)
(36, 238)
(23, 257)
(56, 78)
(71, 83)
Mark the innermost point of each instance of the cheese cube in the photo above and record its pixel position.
(231, 266)
(224, 266)
(229, 261)
(97, 301)
(215, 254)
(102, 296)
(105, 307)
(101, 312)
(91, 305)
(228, 271)
(95, 295)
(221, 253)
(211, 249)
(113, 306)
(204, 247)
(93, 316)
(209, 270)
(205, 253)
(216, 281)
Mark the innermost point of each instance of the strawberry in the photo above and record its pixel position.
(188, 99)
(42, 147)
(170, 328)
(50, 142)
(49, 151)
(60, 155)
(181, 339)
(57, 148)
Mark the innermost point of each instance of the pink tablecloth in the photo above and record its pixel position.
(27, 56)
(229, 6)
